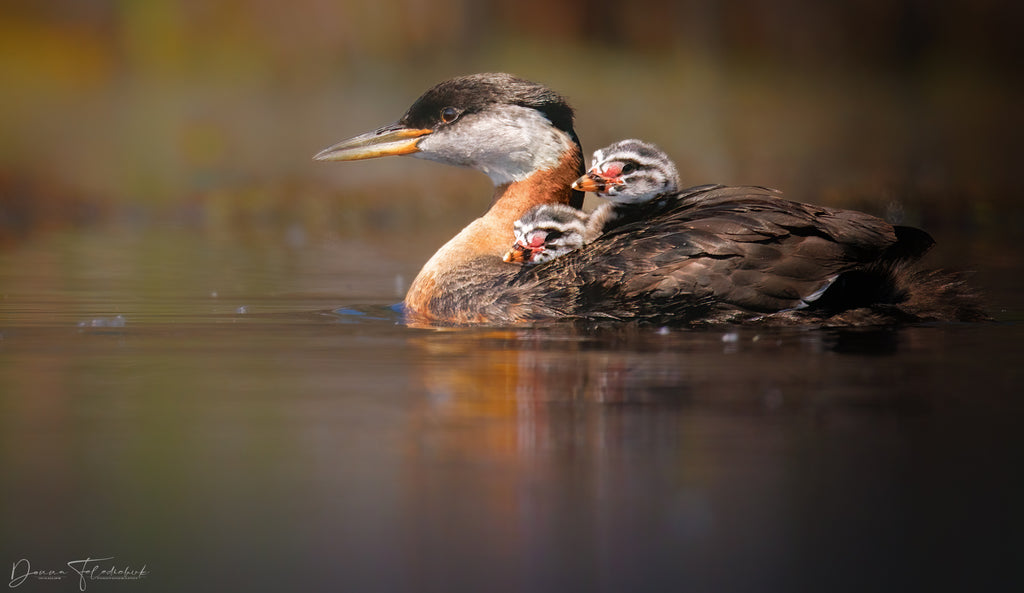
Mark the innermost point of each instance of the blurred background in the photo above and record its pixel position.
(207, 113)
(199, 368)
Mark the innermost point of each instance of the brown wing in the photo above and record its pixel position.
(705, 254)
(739, 246)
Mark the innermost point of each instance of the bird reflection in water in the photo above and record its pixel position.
(525, 373)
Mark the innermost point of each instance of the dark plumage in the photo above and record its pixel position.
(709, 254)
(725, 254)
(474, 93)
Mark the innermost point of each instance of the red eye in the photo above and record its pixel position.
(449, 114)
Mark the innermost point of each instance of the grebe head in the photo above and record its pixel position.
(546, 232)
(630, 172)
(496, 123)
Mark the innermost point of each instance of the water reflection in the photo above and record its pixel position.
(636, 365)
(639, 458)
(315, 435)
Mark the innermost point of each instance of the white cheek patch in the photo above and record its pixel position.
(508, 143)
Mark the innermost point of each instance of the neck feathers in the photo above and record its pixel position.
(547, 186)
(491, 235)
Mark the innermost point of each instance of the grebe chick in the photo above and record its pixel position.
(630, 172)
(634, 176)
(547, 232)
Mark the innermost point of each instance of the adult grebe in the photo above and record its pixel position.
(718, 253)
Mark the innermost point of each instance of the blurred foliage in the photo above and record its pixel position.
(166, 105)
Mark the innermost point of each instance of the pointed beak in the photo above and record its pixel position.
(518, 254)
(392, 139)
(594, 182)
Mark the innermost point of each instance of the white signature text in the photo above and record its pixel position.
(87, 570)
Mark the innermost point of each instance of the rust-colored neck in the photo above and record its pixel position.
(491, 234)
(547, 186)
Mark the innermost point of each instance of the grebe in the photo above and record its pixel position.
(716, 253)
(627, 173)
(630, 172)
(550, 231)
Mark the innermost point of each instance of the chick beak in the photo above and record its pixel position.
(518, 254)
(389, 140)
(596, 183)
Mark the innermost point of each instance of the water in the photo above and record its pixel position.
(246, 413)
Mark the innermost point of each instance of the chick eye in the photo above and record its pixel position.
(449, 114)
(629, 168)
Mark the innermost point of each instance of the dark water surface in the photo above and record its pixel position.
(249, 415)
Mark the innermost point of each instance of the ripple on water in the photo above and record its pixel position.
(115, 321)
(369, 313)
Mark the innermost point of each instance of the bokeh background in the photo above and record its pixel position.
(207, 113)
(199, 368)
